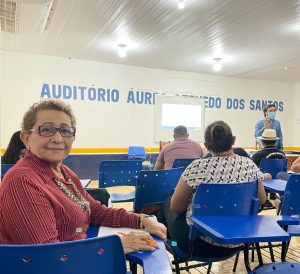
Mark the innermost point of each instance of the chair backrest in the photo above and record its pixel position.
(136, 152)
(92, 256)
(226, 199)
(119, 172)
(182, 162)
(273, 166)
(155, 186)
(162, 144)
(5, 168)
(291, 203)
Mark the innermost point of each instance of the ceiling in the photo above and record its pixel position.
(257, 39)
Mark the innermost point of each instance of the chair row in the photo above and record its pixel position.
(126, 173)
(239, 199)
(234, 200)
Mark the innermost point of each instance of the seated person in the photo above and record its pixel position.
(269, 150)
(43, 201)
(296, 165)
(223, 167)
(181, 147)
(14, 150)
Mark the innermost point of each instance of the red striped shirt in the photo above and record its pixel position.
(33, 209)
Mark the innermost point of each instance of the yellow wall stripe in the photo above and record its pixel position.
(101, 150)
(122, 150)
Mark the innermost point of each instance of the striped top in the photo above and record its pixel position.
(222, 170)
(33, 209)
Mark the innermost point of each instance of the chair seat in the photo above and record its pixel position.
(122, 197)
(278, 268)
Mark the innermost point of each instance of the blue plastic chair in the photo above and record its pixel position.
(291, 203)
(217, 199)
(93, 256)
(182, 162)
(119, 173)
(273, 166)
(226, 199)
(155, 186)
(136, 152)
(278, 268)
(5, 168)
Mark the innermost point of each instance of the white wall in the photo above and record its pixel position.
(295, 122)
(119, 124)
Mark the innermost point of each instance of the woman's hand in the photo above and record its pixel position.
(267, 176)
(136, 241)
(155, 228)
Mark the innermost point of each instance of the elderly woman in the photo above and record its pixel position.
(42, 200)
(223, 167)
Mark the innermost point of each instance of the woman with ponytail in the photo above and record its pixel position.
(223, 167)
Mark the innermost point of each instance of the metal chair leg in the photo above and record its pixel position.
(209, 268)
(271, 252)
(252, 253)
(236, 262)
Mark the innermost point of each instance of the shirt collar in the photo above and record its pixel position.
(43, 166)
(180, 138)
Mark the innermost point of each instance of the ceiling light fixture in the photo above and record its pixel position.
(217, 66)
(180, 4)
(122, 50)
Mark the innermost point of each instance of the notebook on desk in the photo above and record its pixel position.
(105, 231)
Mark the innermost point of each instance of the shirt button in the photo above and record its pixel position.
(78, 229)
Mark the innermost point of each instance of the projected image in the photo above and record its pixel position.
(177, 114)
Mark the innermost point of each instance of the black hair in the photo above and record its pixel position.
(240, 151)
(180, 130)
(236, 150)
(14, 149)
(218, 137)
(267, 107)
(268, 142)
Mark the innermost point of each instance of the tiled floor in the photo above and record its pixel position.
(226, 267)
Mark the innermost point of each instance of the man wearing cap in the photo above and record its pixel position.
(269, 122)
(181, 147)
(269, 148)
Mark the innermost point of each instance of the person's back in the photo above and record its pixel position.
(181, 147)
(14, 150)
(269, 149)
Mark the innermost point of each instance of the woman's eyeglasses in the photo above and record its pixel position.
(48, 131)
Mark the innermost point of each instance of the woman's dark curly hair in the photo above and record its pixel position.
(218, 137)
